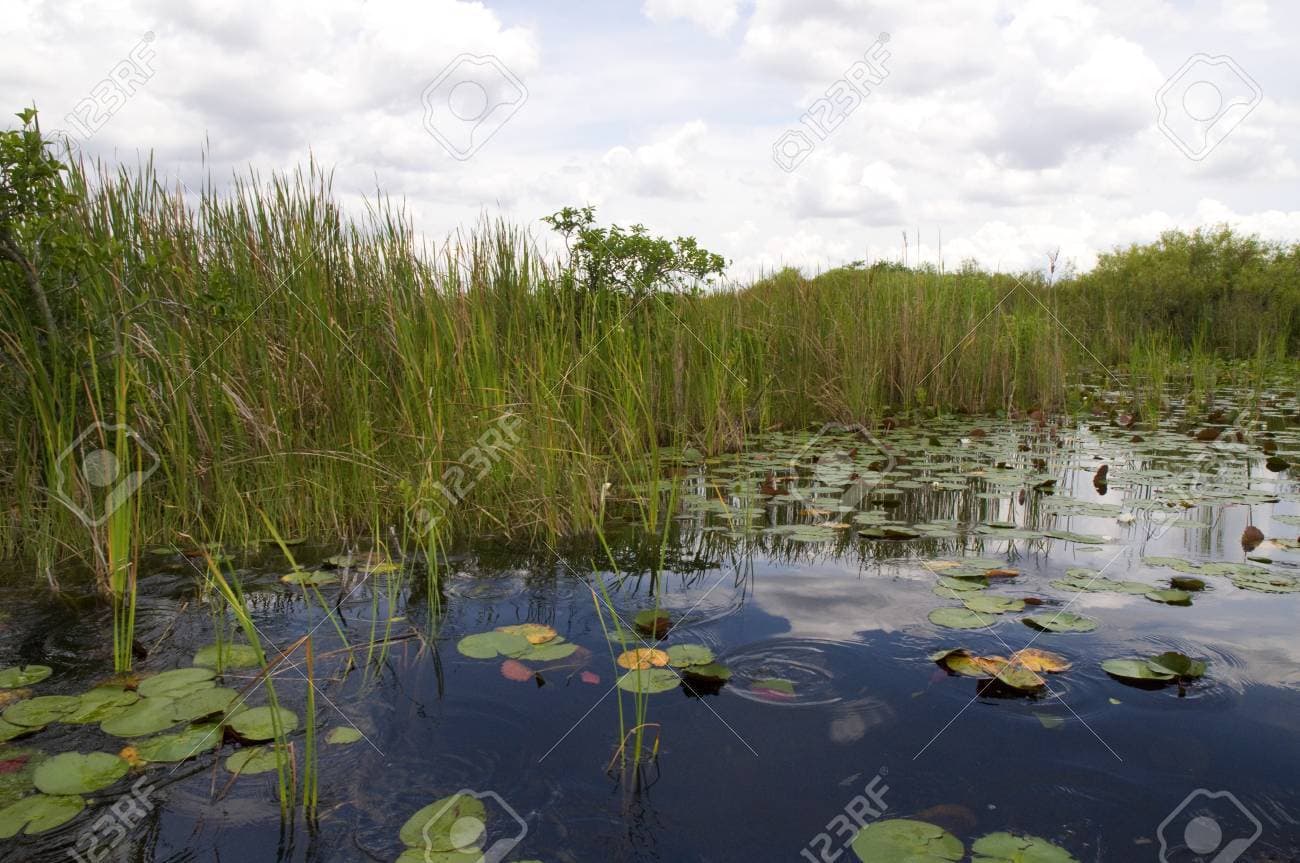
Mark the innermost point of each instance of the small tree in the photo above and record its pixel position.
(32, 191)
(631, 261)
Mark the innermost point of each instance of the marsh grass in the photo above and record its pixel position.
(331, 376)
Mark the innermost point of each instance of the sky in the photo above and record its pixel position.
(805, 133)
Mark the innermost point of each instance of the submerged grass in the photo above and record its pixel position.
(289, 366)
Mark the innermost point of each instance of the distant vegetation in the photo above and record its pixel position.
(278, 357)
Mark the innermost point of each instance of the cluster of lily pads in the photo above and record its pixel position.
(903, 840)
(966, 580)
(1022, 670)
(167, 717)
(449, 830)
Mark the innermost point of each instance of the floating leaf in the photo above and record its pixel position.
(1009, 848)
(204, 702)
(619, 635)
(652, 622)
(100, 703)
(1019, 678)
(41, 710)
(548, 652)
(1135, 669)
(9, 731)
(310, 578)
(683, 655)
(991, 604)
(959, 618)
(39, 813)
(77, 773)
(1081, 583)
(648, 680)
(642, 657)
(536, 633)
(901, 840)
(773, 686)
(176, 682)
(260, 723)
(1063, 621)
(146, 716)
(711, 671)
(249, 762)
(171, 748)
(1040, 660)
(513, 669)
(26, 675)
(489, 645)
(1048, 721)
(1169, 596)
(1180, 664)
(227, 656)
(342, 735)
(431, 828)
(1186, 582)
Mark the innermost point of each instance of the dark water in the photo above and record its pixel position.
(1092, 764)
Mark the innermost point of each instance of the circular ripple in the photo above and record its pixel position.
(810, 666)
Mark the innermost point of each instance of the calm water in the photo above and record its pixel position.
(747, 774)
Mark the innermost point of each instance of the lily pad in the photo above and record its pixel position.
(991, 604)
(1177, 663)
(180, 746)
(76, 773)
(17, 676)
(258, 759)
(1170, 596)
(1135, 669)
(1010, 848)
(260, 723)
(100, 703)
(310, 579)
(205, 702)
(711, 671)
(773, 685)
(1040, 660)
(642, 657)
(1064, 621)
(489, 645)
(548, 652)
(342, 735)
(9, 731)
(682, 655)
(536, 633)
(432, 827)
(41, 710)
(648, 681)
(38, 813)
(959, 618)
(227, 656)
(146, 716)
(652, 622)
(176, 682)
(902, 840)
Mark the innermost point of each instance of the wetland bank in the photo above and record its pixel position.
(321, 546)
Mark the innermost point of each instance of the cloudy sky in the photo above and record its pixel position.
(803, 132)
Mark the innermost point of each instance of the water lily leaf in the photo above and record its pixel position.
(1169, 596)
(1019, 678)
(1040, 660)
(513, 669)
(204, 702)
(961, 585)
(41, 710)
(642, 657)
(432, 827)
(307, 578)
(176, 682)
(1186, 582)
(1098, 584)
(1063, 621)
(959, 618)
(901, 840)
(260, 723)
(619, 635)
(711, 671)
(489, 645)
(991, 604)
(778, 685)
(77, 773)
(26, 675)
(1010, 848)
(648, 680)
(420, 855)
(38, 813)
(146, 716)
(189, 743)
(1177, 663)
(227, 655)
(258, 759)
(342, 735)
(548, 652)
(536, 633)
(1135, 669)
(682, 655)
(100, 703)
(652, 622)
(9, 731)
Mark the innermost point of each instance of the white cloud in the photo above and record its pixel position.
(714, 16)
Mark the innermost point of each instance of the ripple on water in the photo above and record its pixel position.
(812, 666)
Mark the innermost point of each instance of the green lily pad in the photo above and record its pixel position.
(1169, 596)
(619, 635)
(227, 656)
(709, 671)
(19, 767)
(431, 828)
(39, 813)
(146, 716)
(41, 710)
(77, 773)
(1098, 584)
(489, 645)
(1135, 669)
(991, 604)
(342, 735)
(1177, 663)
(204, 702)
(186, 744)
(960, 585)
(258, 759)
(310, 579)
(1064, 621)
(651, 622)
(682, 655)
(548, 652)
(902, 840)
(9, 731)
(16, 676)
(176, 682)
(420, 855)
(1186, 582)
(774, 684)
(959, 618)
(1019, 678)
(100, 703)
(646, 681)
(1010, 848)
(259, 723)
